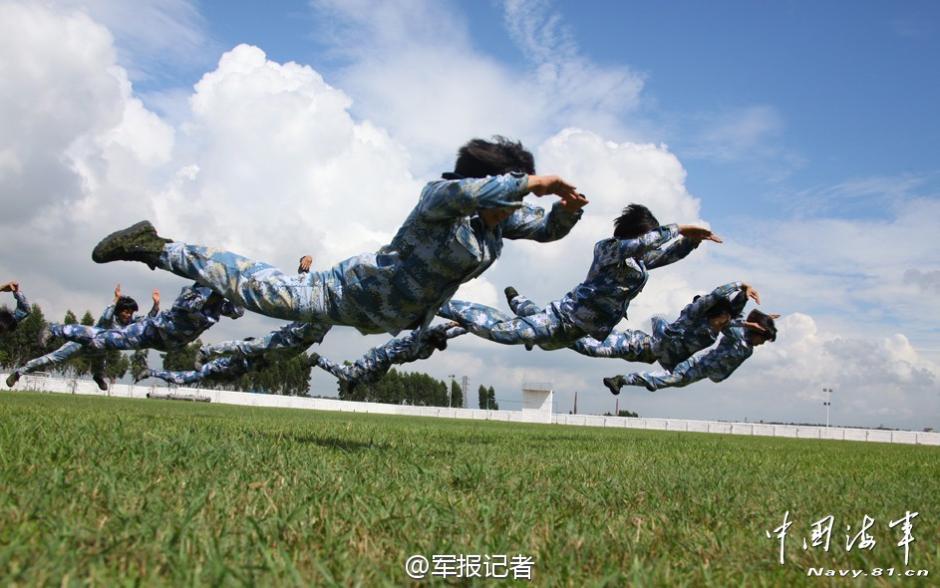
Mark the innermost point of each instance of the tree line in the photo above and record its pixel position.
(288, 377)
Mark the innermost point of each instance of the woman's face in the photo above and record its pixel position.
(124, 316)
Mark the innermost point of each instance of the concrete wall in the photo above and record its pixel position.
(67, 386)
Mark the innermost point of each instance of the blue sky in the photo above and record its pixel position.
(850, 89)
(804, 133)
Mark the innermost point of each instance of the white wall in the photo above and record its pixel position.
(67, 386)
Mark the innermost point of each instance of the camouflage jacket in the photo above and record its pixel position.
(442, 244)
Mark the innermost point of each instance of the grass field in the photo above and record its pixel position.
(105, 490)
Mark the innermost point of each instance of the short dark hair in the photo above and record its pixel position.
(7, 320)
(125, 303)
(635, 220)
(480, 158)
(770, 329)
(720, 307)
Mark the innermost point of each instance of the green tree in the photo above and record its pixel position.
(86, 361)
(21, 345)
(288, 377)
(181, 358)
(138, 363)
(491, 396)
(456, 395)
(483, 397)
(115, 367)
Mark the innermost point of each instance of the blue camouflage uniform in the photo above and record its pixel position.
(617, 274)
(229, 367)
(442, 244)
(290, 340)
(22, 309)
(196, 309)
(669, 343)
(229, 360)
(679, 340)
(107, 320)
(716, 365)
(377, 361)
(630, 345)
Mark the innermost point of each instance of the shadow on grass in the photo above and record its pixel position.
(329, 442)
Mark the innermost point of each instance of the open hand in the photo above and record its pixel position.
(155, 297)
(305, 262)
(542, 185)
(751, 293)
(575, 203)
(755, 326)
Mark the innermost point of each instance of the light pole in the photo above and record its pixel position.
(827, 403)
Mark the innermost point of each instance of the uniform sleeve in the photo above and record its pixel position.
(531, 222)
(447, 199)
(644, 244)
(154, 310)
(22, 307)
(698, 308)
(670, 253)
(106, 318)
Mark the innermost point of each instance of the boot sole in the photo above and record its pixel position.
(105, 252)
(613, 389)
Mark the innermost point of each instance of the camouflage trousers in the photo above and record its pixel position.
(687, 372)
(547, 329)
(61, 355)
(291, 339)
(629, 345)
(255, 285)
(377, 361)
(222, 368)
(139, 335)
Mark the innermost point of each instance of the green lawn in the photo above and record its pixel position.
(101, 490)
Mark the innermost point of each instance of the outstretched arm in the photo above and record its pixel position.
(22, 304)
(650, 241)
(690, 237)
(447, 199)
(531, 222)
(699, 307)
